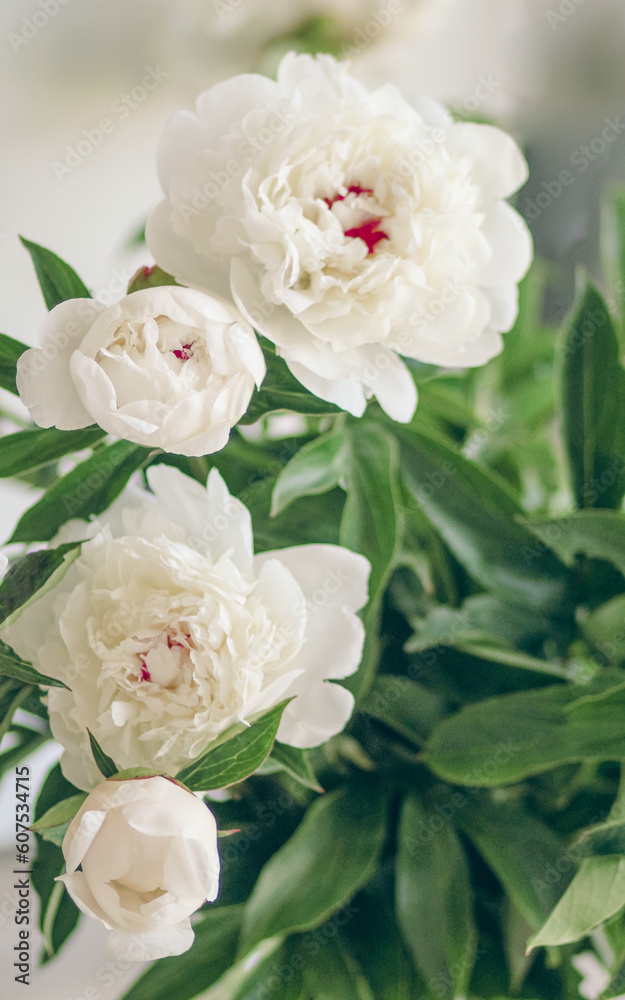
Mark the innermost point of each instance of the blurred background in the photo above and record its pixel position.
(550, 71)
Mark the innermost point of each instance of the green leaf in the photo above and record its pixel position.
(105, 764)
(529, 860)
(150, 277)
(407, 707)
(482, 618)
(88, 489)
(26, 742)
(30, 449)
(332, 854)
(599, 534)
(282, 966)
(603, 838)
(60, 813)
(11, 698)
(592, 401)
(184, 976)
(281, 391)
(57, 280)
(317, 467)
(296, 763)
(334, 974)
(433, 899)
(596, 893)
(475, 514)
(376, 943)
(238, 758)
(505, 739)
(10, 352)
(11, 665)
(605, 629)
(31, 577)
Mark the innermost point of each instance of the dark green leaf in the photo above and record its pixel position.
(28, 450)
(376, 943)
(334, 974)
(282, 968)
(57, 280)
(603, 838)
(296, 763)
(482, 618)
(504, 739)
(409, 708)
(11, 665)
(26, 741)
(475, 514)
(599, 534)
(238, 758)
(211, 954)
(13, 696)
(592, 399)
(30, 577)
(281, 391)
(433, 895)
(10, 351)
(530, 861)
(105, 764)
(318, 467)
(88, 489)
(331, 855)
(596, 893)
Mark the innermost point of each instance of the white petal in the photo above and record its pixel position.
(511, 246)
(393, 385)
(333, 644)
(133, 947)
(176, 255)
(325, 570)
(347, 393)
(504, 307)
(320, 712)
(499, 165)
(76, 885)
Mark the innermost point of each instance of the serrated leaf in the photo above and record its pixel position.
(105, 764)
(476, 514)
(11, 665)
(57, 280)
(316, 468)
(184, 976)
(433, 901)
(30, 449)
(502, 740)
(596, 893)
(10, 352)
(31, 577)
(592, 402)
(88, 489)
(341, 835)
(236, 759)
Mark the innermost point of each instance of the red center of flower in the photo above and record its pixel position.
(145, 673)
(184, 353)
(367, 231)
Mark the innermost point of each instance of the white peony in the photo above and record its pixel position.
(351, 227)
(147, 850)
(166, 367)
(168, 630)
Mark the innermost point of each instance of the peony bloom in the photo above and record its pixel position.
(350, 227)
(168, 630)
(147, 850)
(167, 367)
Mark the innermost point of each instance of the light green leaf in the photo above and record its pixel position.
(296, 763)
(592, 403)
(31, 577)
(502, 740)
(184, 976)
(603, 838)
(88, 489)
(475, 514)
(150, 277)
(236, 759)
(57, 280)
(433, 901)
(317, 467)
(30, 449)
(332, 854)
(10, 352)
(599, 534)
(483, 618)
(596, 893)
(605, 629)
(283, 966)
(60, 813)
